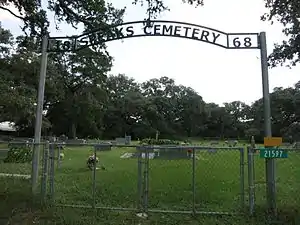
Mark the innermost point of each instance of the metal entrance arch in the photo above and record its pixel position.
(160, 28)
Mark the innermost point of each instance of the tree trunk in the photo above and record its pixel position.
(73, 131)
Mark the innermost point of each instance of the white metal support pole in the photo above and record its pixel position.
(39, 115)
(270, 163)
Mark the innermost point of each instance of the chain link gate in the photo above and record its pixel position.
(287, 181)
(201, 157)
(144, 188)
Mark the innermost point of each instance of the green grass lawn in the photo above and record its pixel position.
(287, 181)
(170, 188)
(170, 181)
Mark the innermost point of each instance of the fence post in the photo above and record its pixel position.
(94, 179)
(139, 178)
(45, 171)
(250, 159)
(242, 178)
(58, 156)
(51, 170)
(253, 164)
(194, 182)
(146, 175)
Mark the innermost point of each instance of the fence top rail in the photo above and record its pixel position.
(105, 145)
(20, 142)
(149, 146)
(279, 148)
(187, 147)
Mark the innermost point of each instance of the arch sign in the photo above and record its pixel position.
(168, 29)
(155, 28)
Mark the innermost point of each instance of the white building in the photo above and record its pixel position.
(7, 126)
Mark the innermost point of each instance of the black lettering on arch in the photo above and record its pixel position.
(146, 32)
(215, 36)
(92, 39)
(119, 32)
(100, 37)
(205, 35)
(177, 30)
(157, 29)
(186, 31)
(58, 44)
(195, 33)
(82, 42)
(167, 30)
(130, 31)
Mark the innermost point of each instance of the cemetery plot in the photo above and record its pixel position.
(170, 184)
(115, 185)
(287, 180)
(218, 181)
(163, 152)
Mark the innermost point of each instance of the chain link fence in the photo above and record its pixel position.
(16, 157)
(287, 173)
(220, 178)
(16, 168)
(109, 182)
(175, 179)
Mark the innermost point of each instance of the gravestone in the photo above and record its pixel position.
(62, 138)
(114, 142)
(127, 140)
(212, 150)
(128, 155)
(168, 153)
(173, 152)
(120, 141)
(102, 147)
(75, 142)
(151, 155)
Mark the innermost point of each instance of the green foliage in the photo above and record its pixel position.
(156, 7)
(152, 141)
(287, 13)
(213, 172)
(82, 101)
(19, 154)
(90, 13)
(98, 14)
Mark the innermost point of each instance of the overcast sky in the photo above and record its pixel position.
(217, 74)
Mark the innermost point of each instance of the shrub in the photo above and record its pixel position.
(152, 141)
(19, 154)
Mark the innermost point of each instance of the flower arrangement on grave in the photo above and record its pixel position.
(61, 156)
(92, 161)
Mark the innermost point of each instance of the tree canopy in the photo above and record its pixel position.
(99, 13)
(288, 14)
(81, 100)
(89, 13)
